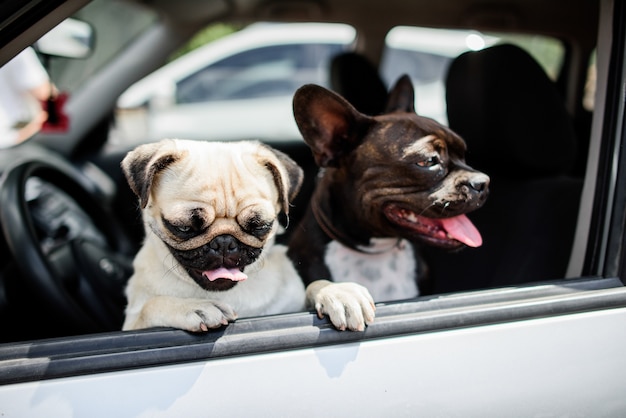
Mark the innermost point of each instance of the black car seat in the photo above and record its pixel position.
(517, 131)
(355, 78)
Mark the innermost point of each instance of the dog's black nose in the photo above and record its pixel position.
(224, 244)
(479, 182)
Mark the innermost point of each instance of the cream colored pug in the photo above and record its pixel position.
(210, 211)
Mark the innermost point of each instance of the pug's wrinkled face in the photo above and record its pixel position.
(214, 205)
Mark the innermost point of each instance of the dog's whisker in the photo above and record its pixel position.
(168, 271)
(174, 266)
(427, 207)
(444, 207)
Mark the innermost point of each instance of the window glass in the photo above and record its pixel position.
(548, 52)
(589, 97)
(425, 54)
(226, 75)
(130, 20)
(262, 72)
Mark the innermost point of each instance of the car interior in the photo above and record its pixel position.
(492, 95)
(529, 131)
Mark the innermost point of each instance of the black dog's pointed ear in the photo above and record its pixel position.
(330, 125)
(401, 96)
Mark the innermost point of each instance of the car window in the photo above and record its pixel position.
(548, 52)
(425, 54)
(261, 72)
(59, 64)
(589, 97)
(241, 74)
(225, 78)
(131, 20)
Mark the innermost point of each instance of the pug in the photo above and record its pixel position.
(211, 212)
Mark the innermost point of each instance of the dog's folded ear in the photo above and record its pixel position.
(402, 96)
(287, 174)
(141, 165)
(330, 125)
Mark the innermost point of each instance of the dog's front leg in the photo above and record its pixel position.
(195, 315)
(348, 305)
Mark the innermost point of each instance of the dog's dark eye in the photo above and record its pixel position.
(259, 228)
(183, 231)
(429, 162)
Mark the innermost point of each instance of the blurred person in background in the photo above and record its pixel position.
(24, 87)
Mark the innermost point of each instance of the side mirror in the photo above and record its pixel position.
(72, 38)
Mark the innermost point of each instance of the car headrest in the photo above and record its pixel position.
(355, 78)
(510, 114)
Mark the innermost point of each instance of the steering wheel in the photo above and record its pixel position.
(71, 254)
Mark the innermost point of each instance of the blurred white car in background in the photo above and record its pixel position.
(241, 86)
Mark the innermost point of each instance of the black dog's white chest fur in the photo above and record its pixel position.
(387, 268)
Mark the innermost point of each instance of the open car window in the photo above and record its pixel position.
(523, 323)
(232, 75)
(131, 22)
(425, 55)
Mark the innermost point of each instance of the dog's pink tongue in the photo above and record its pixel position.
(223, 273)
(462, 229)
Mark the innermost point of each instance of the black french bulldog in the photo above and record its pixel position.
(385, 183)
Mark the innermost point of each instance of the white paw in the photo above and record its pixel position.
(348, 305)
(195, 315)
(201, 317)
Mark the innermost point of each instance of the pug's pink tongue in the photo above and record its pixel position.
(462, 229)
(223, 273)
